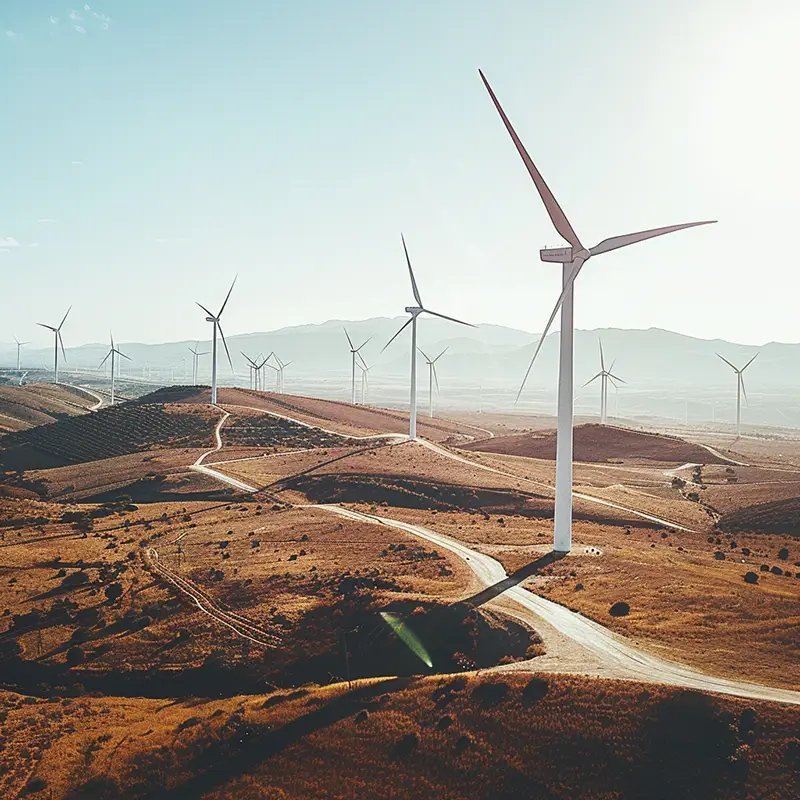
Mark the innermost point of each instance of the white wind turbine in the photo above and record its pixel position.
(281, 367)
(572, 259)
(112, 353)
(415, 311)
(215, 321)
(58, 341)
(195, 360)
(354, 351)
(432, 376)
(365, 368)
(605, 376)
(19, 347)
(740, 390)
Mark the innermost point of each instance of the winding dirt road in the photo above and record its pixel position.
(611, 652)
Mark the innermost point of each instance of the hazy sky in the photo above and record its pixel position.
(150, 150)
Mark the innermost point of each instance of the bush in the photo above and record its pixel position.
(113, 592)
(750, 577)
(75, 656)
(535, 691)
(619, 609)
(719, 555)
(405, 746)
(783, 554)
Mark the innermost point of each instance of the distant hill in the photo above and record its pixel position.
(600, 443)
(33, 404)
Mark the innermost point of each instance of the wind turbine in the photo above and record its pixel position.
(432, 376)
(365, 368)
(605, 376)
(740, 390)
(572, 259)
(19, 347)
(253, 370)
(22, 377)
(415, 311)
(354, 351)
(111, 354)
(281, 367)
(195, 360)
(215, 321)
(58, 341)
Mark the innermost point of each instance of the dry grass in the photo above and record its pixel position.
(22, 407)
(474, 737)
(685, 604)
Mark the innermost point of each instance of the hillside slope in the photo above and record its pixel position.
(600, 443)
(23, 407)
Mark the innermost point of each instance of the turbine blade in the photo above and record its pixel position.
(49, 327)
(61, 342)
(728, 363)
(227, 352)
(748, 363)
(615, 378)
(411, 273)
(615, 242)
(441, 354)
(554, 210)
(424, 355)
(361, 359)
(365, 343)
(435, 376)
(65, 317)
(744, 391)
(249, 360)
(599, 374)
(402, 328)
(227, 297)
(349, 340)
(602, 362)
(205, 309)
(120, 353)
(108, 355)
(286, 364)
(452, 319)
(570, 280)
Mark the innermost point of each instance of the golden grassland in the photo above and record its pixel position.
(685, 604)
(468, 736)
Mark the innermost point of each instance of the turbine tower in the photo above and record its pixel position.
(432, 376)
(58, 341)
(215, 321)
(605, 376)
(195, 361)
(19, 347)
(740, 390)
(572, 259)
(112, 353)
(415, 311)
(354, 351)
(281, 367)
(365, 368)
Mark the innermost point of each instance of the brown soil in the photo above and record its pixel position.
(600, 443)
(23, 407)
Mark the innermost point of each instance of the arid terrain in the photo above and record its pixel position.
(194, 599)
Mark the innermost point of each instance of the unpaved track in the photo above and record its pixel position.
(611, 652)
(239, 625)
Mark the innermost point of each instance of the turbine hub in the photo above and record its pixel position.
(415, 310)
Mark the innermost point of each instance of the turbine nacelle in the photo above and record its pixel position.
(556, 255)
(415, 310)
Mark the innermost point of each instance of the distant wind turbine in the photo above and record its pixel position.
(19, 347)
(354, 351)
(740, 390)
(605, 376)
(365, 368)
(215, 321)
(415, 311)
(22, 377)
(58, 341)
(432, 376)
(281, 367)
(112, 353)
(572, 259)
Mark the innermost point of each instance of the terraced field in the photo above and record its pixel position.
(115, 431)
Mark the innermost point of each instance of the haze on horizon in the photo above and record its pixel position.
(151, 153)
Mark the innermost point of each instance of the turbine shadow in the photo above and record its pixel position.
(516, 577)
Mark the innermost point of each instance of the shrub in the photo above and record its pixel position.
(534, 691)
(75, 656)
(113, 592)
(719, 555)
(783, 554)
(750, 577)
(619, 609)
(406, 745)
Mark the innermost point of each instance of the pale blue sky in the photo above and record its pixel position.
(173, 144)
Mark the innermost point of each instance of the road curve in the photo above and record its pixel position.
(608, 647)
